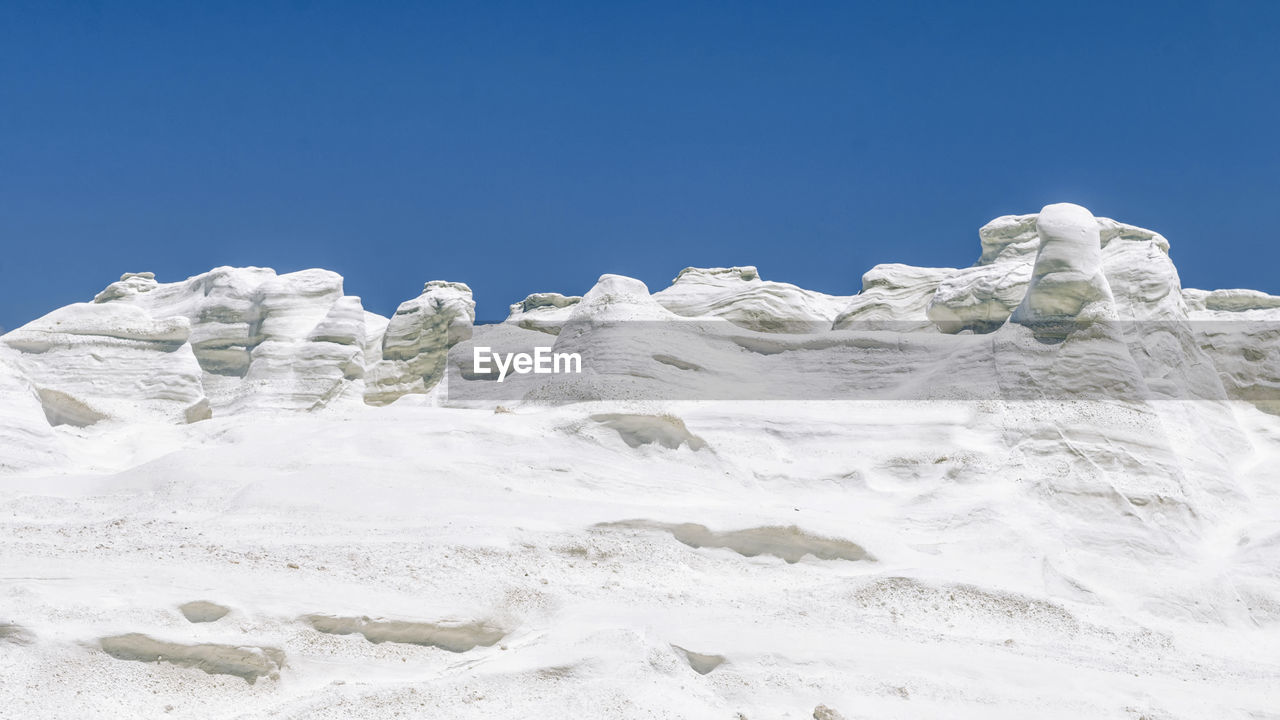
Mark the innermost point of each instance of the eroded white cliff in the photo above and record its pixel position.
(246, 339)
(1038, 487)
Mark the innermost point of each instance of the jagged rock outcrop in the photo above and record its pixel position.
(416, 342)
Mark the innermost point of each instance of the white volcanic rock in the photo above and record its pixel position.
(90, 362)
(221, 305)
(1143, 355)
(375, 326)
(895, 294)
(416, 342)
(1029, 559)
(129, 284)
(1067, 277)
(1239, 330)
(886, 519)
(1008, 238)
(1233, 301)
(309, 351)
(532, 324)
(26, 438)
(1109, 230)
(344, 324)
(293, 305)
(264, 341)
(1143, 280)
(738, 295)
(617, 298)
(295, 341)
(1148, 298)
(979, 298)
(544, 312)
(982, 297)
(618, 330)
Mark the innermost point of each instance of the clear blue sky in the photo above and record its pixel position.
(524, 147)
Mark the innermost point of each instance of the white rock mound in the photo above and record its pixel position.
(1240, 331)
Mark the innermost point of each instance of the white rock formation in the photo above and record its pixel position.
(297, 342)
(91, 362)
(617, 298)
(233, 340)
(979, 298)
(982, 297)
(1067, 283)
(263, 341)
(26, 436)
(544, 312)
(1239, 330)
(1038, 487)
(1233, 301)
(417, 339)
(894, 296)
(738, 295)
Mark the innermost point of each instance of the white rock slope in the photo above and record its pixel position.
(1043, 486)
